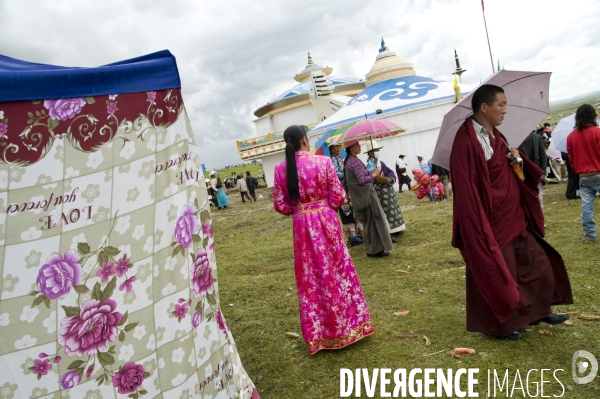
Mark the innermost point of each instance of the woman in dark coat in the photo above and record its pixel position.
(367, 208)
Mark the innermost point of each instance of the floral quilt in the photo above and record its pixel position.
(109, 286)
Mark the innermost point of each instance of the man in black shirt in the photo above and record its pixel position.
(251, 182)
(534, 149)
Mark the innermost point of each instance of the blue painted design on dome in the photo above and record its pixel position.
(405, 88)
(306, 87)
(389, 96)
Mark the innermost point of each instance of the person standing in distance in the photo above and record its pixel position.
(583, 148)
(251, 183)
(401, 171)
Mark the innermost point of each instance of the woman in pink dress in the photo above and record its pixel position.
(333, 311)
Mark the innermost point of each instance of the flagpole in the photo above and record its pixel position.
(487, 35)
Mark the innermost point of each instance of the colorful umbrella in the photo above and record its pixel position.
(329, 137)
(371, 129)
(527, 94)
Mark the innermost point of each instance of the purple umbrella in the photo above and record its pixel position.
(527, 95)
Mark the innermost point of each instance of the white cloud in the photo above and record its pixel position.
(233, 71)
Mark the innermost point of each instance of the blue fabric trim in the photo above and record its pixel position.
(21, 80)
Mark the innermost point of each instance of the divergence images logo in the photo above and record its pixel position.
(580, 367)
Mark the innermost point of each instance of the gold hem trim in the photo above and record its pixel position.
(355, 335)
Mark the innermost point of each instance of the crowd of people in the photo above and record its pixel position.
(579, 166)
(216, 191)
(513, 275)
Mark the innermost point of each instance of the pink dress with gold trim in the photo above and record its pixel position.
(333, 311)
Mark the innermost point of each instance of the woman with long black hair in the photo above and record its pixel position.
(333, 311)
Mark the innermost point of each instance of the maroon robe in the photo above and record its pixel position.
(513, 274)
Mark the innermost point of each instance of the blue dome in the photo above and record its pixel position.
(390, 96)
(307, 86)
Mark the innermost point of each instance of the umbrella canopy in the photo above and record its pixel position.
(371, 129)
(330, 137)
(552, 151)
(527, 95)
(561, 132)
(563, 128)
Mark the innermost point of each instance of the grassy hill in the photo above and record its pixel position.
(563, 108)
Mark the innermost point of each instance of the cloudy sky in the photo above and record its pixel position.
(234, 56)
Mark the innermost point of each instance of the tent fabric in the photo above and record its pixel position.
(108, 277)
(21, 80)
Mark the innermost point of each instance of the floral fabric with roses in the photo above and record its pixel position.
(109, 286)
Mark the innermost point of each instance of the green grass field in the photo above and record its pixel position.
(255, 169)
(255, 263)
(562, 112)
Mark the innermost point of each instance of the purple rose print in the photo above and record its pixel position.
(220, 321)
(111, 108)
(186, 226)
(41, 366)
(126, 285)
(65, 108)
(181, 310)
(3, 128)
(59, 274)
(196, 318)
(122, 266)
(89, 371)
(70, 379)
(207, 230)
(106, 270)
(91, 331)
(129, 378)
(201, 280)
(151, 96)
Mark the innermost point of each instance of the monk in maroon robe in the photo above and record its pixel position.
(513, 274)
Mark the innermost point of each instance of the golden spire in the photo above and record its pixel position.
(457, 93)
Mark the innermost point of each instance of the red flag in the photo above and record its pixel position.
(482, 8)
